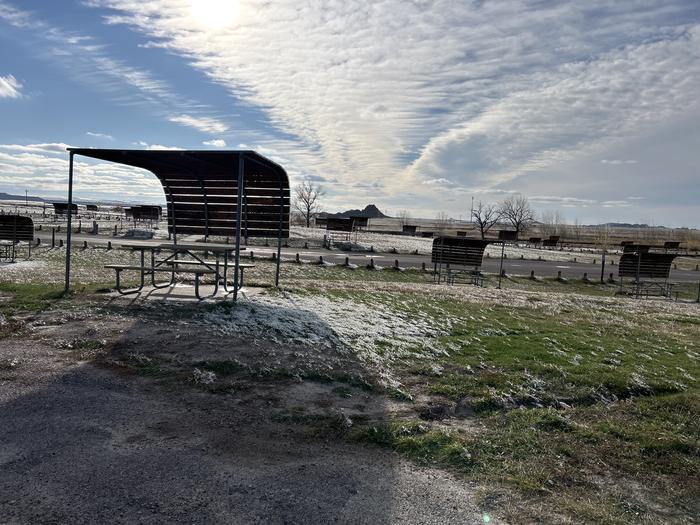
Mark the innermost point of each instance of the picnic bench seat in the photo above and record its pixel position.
(189, 262)
(146, 270)
(15, 229)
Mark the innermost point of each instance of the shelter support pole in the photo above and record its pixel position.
(239, 209)
(279, 238)
(70, 215)
(500, 268)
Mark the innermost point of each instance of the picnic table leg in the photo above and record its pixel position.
(153, 273)
(225, 279)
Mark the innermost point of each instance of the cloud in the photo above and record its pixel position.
(441, 181)
(43, 169)
(103, 136)
(479, 93)
(87, 59)
(10, 87)
(215, 143)
(148, 146)
(204, 124)
(618, 161)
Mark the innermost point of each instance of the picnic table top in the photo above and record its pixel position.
(189, 246)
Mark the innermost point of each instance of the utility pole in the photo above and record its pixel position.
(471, 212)
(26, 197)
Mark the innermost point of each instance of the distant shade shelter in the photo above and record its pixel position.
(61, 208)
(209, 193)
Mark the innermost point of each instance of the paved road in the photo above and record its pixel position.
(569, 270)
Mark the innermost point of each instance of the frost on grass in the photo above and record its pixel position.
(374, 332)
(48, 266)
(203, 377)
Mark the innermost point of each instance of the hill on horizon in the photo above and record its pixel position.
(370, 211)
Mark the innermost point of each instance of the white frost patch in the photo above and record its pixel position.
(12, 271)
(376, 334)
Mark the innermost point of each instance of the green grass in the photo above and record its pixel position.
(587, 413)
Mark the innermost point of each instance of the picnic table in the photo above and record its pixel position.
(190, 258)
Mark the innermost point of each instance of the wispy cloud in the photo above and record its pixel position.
(203, 124)
(10, 87)
(215, 143)
(90, 61)
(478, 93)
(103, 136)
(618, 161)
(148, 146)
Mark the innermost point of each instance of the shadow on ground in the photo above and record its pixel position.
(105, 419)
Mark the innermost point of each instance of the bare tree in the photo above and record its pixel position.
(485, 216)
(577, 229)
(603, 237)
(442, 221)
(404, 218)
(553, 223)
(518, 212)
(306, 196)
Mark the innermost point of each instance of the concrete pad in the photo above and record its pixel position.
(185, 293)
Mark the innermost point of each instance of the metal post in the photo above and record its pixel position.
(239, 209)
(602, 269)
(500, 269)
(279, 236)
(70, 210)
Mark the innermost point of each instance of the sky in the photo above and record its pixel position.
(587, 108)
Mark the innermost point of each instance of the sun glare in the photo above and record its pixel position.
(214, 14)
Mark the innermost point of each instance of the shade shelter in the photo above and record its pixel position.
(63, 208)
(458, 255)
(648, 270)
(209, 193)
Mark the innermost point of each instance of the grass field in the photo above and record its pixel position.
(562, 402)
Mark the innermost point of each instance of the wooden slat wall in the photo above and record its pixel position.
(208, 205)
(339, 224)
(458, 251)
(146, 213)
(651, 265)
(507, 235)
(16, 228)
